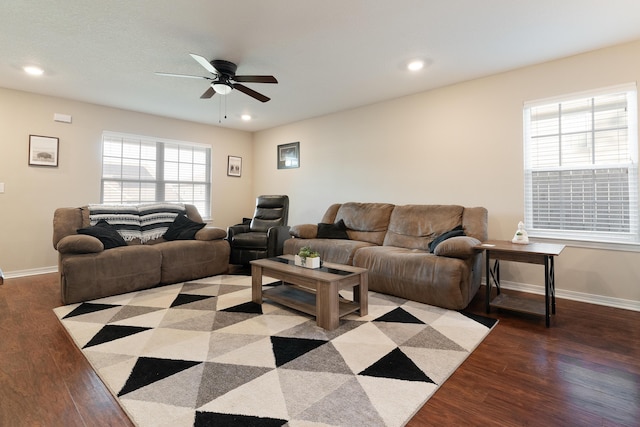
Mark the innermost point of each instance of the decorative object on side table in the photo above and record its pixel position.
(521, 237)
(308, 258)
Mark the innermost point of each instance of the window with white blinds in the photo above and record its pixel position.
(581, 166)
(137, 169)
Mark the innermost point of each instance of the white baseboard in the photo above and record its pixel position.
(30, 272)
(625, 304)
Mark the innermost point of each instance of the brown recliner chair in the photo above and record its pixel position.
(264, 236)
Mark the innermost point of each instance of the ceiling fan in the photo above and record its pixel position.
(224, 78)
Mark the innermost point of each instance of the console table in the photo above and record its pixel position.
(532, 253)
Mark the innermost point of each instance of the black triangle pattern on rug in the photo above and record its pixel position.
(113, 332)
(183, 299)
(287, 349)
(199, 364)
(396, 365)
(247, 307)
(399, 316)
(486, 321)
(148, 370)
(210, 419)
(87, 307)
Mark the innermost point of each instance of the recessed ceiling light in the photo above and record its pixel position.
(246, 117)
(415, 65)
(34, 71)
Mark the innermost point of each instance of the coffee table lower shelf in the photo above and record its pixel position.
(304, 300)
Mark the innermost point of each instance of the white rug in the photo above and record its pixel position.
(202, 354)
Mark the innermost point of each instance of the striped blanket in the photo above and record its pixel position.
(146, 221)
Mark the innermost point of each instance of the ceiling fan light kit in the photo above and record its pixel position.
(221, 87)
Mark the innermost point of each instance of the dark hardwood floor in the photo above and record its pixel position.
(583, 371)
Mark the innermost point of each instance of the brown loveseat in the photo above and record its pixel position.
(393, 243)
(88, 271)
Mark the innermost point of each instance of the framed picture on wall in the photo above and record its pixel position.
(234, 166)
(289, 155)
(43, 151)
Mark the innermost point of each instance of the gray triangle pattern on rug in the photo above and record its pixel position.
(201, 354)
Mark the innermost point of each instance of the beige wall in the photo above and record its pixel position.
(460, 144)
(33, 193)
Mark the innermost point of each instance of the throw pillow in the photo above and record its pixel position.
(104, 232)
(332, 231)
(457, 231)
(182, 228)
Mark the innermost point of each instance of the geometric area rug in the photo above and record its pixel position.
(201, 353)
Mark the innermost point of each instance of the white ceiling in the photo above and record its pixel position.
(328, 55)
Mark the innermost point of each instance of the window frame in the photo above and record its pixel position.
(161, 146)
(594, 239)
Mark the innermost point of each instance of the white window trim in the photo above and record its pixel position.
(122, 135)
(598, 241)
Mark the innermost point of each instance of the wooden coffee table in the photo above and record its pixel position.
(312, 291)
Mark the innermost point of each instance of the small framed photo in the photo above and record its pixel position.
(43, 151)
(234, 166)
(289, 155)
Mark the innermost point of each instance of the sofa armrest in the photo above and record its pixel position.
(237, 229)
(304, 231)
(79, 244)
(210, 233)
(457, 247)
(275, 239)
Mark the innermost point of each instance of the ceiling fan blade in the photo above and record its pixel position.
(208, 93)
(255, 79)
(206, 64)
(182, 75)
(252, 93)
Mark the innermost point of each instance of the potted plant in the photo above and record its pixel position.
(307, 257)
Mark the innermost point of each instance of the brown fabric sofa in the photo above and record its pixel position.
(88, 271)
(392, 242)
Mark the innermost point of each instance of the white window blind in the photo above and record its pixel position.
(139, 169)
(581, 166)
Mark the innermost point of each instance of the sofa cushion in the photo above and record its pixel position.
(331, 250)
(333, 231)
(116, 271)
(416, 275)
(192, 259)
(367, 222)
(415, 226)
(104, 232)
(182, 228)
